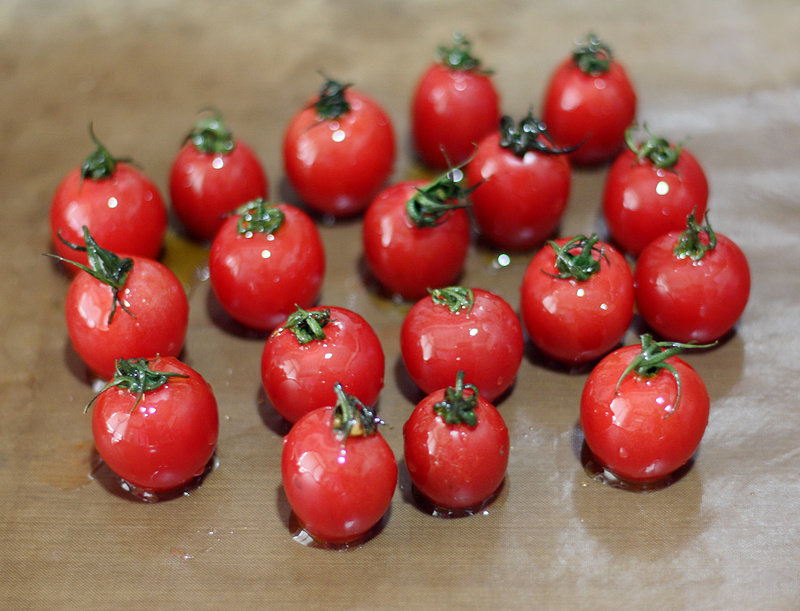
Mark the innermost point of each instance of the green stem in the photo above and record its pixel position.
(332, 103)
(351, 418)
(458, 407)
(592, 56)
(101, 163)
(210, 135)
(459, 56)
(136, 376)
(104, 265)
(659, 151)
(690, 243)
(653, 359)
(431, 203)
(455, 298)
(258, 216)
(530, 134)
(581, 265)
(307, 326)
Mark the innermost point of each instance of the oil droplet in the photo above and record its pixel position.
(113, 202)
(662, 187)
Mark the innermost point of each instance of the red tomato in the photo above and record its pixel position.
(156, 424)
(338, 472)
(127, 307)
(416, 236)
(456, 447)
(521, 185)
(589, 102)
(650, 189)
(692, 285)
(315, 349)
(339, 151)
(122, 208)
(265, 260)
(644, 411)
(577, 299)
(454, 106)
(211, 176)
(458, 329)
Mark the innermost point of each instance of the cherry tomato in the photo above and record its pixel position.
(644, 411)
(577, 299)
(456, 447)
(521, 184)
(123, 307)
(455, 104)
(459, 329)
(692, 285)
(155, 424)
(416, 235)
(649, 190)
(119, 204)
(212, 175)
(265, 260)
(339, 151)
(338, 472)
(315, 349)
(589, 102)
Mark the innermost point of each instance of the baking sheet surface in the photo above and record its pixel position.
(725, 75)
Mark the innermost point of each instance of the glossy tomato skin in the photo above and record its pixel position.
(154, 296)
(642, 202)
(258, 279)
(166, 440)
(520, 200)
(576, 322)
(338, 165)
(589, 111)
(631, 431)
(206, 186)
(685, 300)
(451, 111)
(485, 343)
(406, 259)
(125, 213)
(456, 466)
(299, 378)
(337, 489)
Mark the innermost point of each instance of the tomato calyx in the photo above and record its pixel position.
(690, 243)
(431, 203)
(351, 418)
(258, 215)
(458, 405)
(454, 298)
(581, 265)
(306, 325)
(530, 134)
(136, 376)
(653, 358)
(657, 150)
(592, 56)
(100, 163)
(211, 136)
(104, 265)
(459, 56)
(332, 102)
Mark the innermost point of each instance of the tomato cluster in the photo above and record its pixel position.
(643, 410)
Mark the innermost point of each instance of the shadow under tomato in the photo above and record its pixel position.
(411, 495)
(270, 416)
(539, 359)
(407, 387)
(298, 533)
(102, 473)
(599, 473)
(224, 321)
